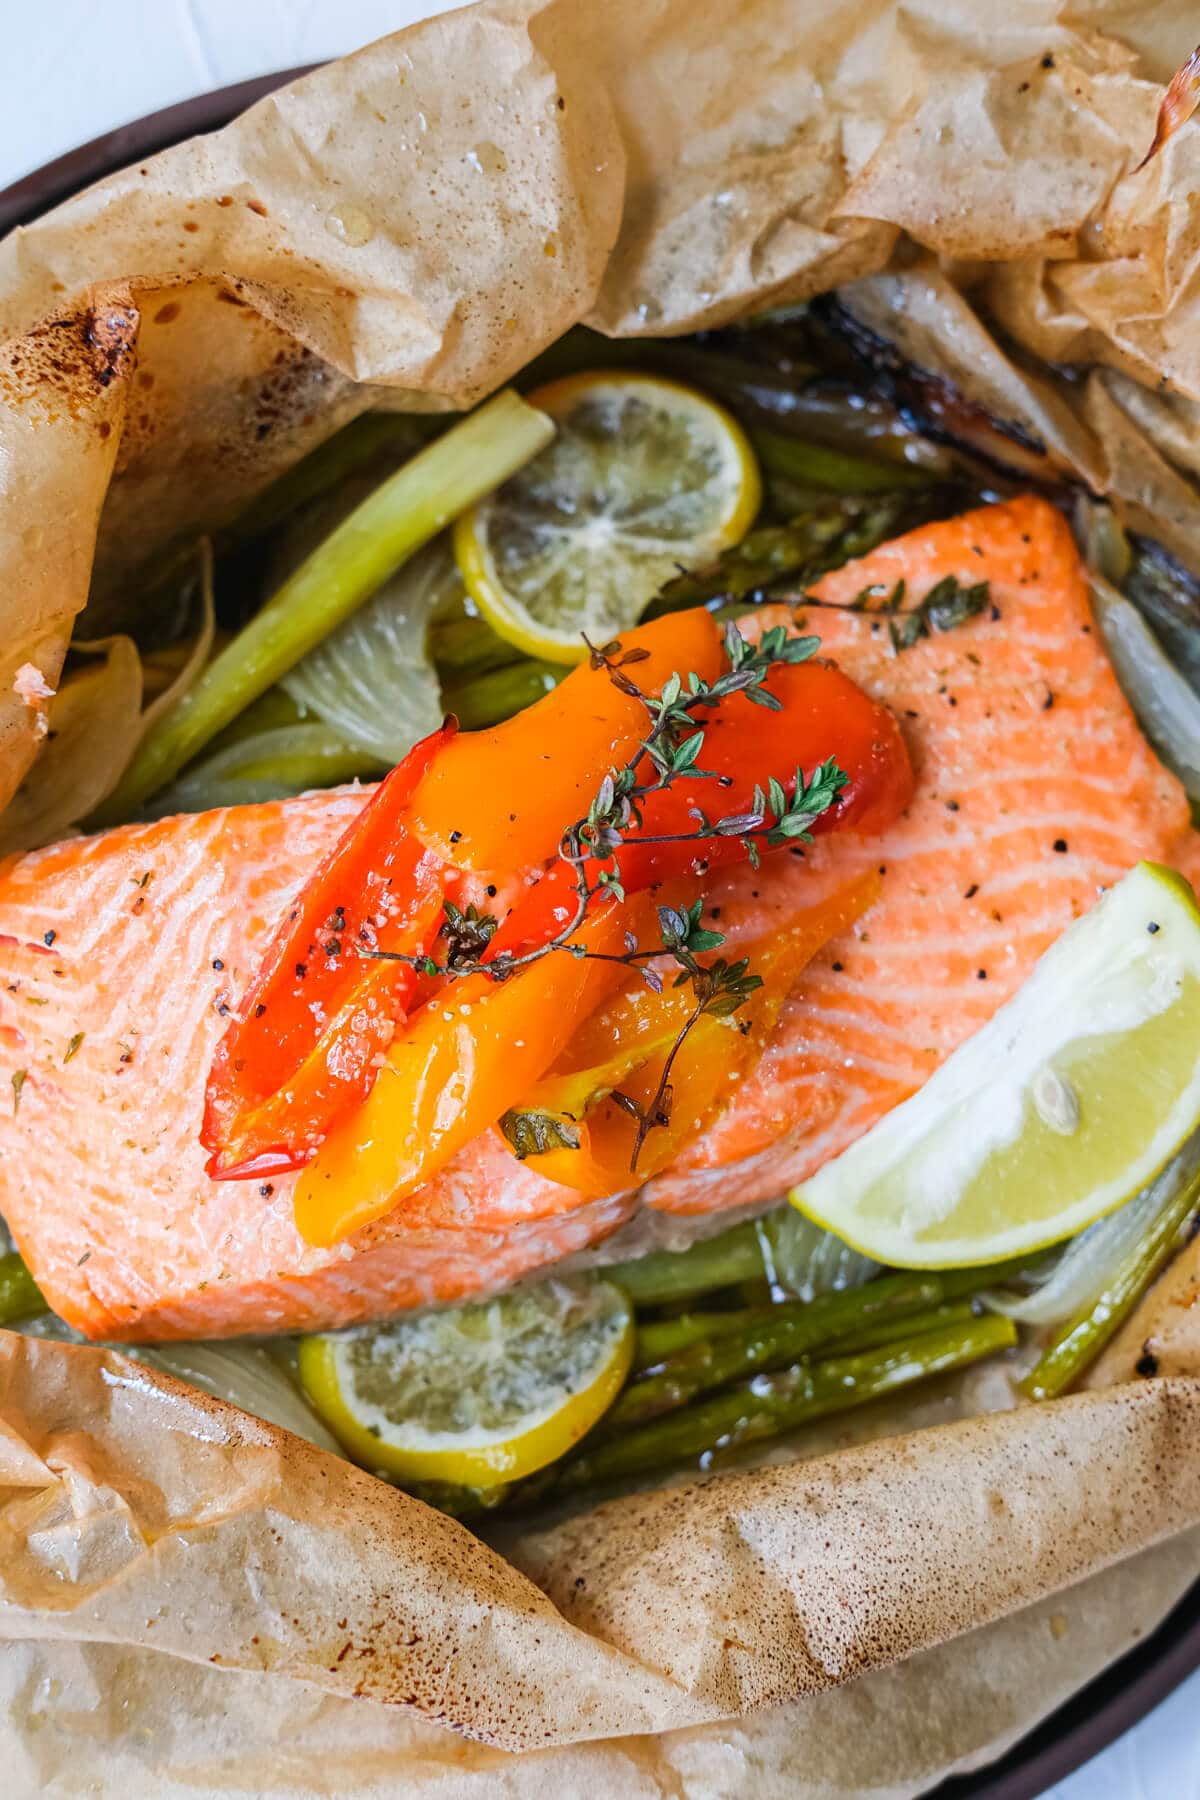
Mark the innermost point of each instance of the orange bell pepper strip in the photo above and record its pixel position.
(501, 799)
(463, 1059)
(317, 1013)
(626, 1042)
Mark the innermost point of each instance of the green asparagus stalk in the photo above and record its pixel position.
(827, 533)
(20, 1296)
(402, 514)
(660, 1338)
(348, 451)
(813, 465)
(464, 646)
(1078, 1342)
(769, 1405)
(665, 1276)
(778, 1335)
(488, 699)
(890, 1330)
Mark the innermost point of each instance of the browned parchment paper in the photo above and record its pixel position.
(139, 1515)
(408, 228)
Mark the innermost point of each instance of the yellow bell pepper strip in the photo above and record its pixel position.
(624, 1046)
(465, 1056)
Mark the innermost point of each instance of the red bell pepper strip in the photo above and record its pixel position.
(823, 714)
(318, 1012)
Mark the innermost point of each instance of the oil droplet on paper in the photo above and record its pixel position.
(351, 225)
(488, 158)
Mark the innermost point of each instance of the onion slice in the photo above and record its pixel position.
(94, 725)
(247, 1376)
(1167, 706)
(1090, 1261)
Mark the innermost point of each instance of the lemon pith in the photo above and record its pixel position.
(644, 475)
(1062, 1107)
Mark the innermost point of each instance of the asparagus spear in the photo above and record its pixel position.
(348, 451)
(488, 698)
(665, 1276)
(889, 1330)
(769, 1405)
(779, 1334)
(814, 465)
(20, 1296)
(1079, 1341)
(403, 513)
(661, 1338)
(787, 558)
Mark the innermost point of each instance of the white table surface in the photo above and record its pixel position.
(74, 68)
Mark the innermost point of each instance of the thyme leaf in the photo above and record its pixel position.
(534, 1133)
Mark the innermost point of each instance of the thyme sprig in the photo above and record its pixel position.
(720, 987)
(947, 605)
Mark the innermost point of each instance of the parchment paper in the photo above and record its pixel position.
(410, 226)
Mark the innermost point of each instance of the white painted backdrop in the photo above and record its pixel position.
(74, 68)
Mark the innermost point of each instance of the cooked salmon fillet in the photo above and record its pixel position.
(121, 955)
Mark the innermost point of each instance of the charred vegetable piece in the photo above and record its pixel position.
(1169, 596)
(653, 1067)
(481, 1042)
(639, 831)
(548, 760)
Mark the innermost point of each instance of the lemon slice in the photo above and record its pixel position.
(643, 475)
(1060, 1109)
(477, 1394)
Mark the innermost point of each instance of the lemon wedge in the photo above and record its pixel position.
(643, 475)
(1065, 1105)
(479, 1394)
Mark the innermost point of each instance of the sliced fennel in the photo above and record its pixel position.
(372, 680)
(802, 1261)
(271, 765)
